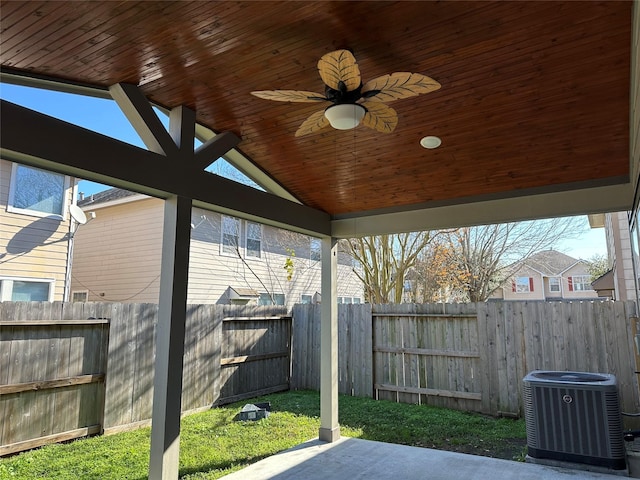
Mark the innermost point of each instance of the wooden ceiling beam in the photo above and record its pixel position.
(42, 141)
(528, 205)
(216, 147)
(143, 119)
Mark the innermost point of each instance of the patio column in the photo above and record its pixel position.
(329, 428)
(167, 382)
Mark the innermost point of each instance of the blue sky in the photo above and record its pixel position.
(97, 114)
(590, 243)
(105, 117)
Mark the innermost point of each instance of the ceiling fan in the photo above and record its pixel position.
(352, 102)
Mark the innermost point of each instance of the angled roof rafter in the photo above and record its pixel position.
(76, 151)
(233, 155)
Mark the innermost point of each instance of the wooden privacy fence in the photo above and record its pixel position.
(52, 374)
(424, 354)
(256, 357)
(355, 373)
(62, 376)
(469, 356)
(74, 369)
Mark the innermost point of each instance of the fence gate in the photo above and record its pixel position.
(422, 355)
(52, 376)
(256, 357)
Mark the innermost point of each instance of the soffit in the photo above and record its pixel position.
(534, 97)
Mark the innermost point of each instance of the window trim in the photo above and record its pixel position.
(86, 295)
(572, 283)
(246, 241)
(7, 291)
(557, 283)
(266, 294)
(349, 300)
(313, 240)
(519, 281)
(222, 233)
(37, 213)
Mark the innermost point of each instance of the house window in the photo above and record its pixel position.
(37, 192)
(80, 295)
(315, 249)
(554, 284)
(230, 235)
(579, 283)
(348, 300)
(26, 290)
(254, 239)
(523, 285)
(274, 299)
(306, 298)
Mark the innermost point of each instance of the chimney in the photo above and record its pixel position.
(80, 196)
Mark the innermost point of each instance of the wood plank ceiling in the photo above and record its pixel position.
(534, 94)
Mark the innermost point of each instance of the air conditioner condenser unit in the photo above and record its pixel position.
(574, 417)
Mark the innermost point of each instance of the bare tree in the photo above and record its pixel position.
(482, 255)
(384, 262)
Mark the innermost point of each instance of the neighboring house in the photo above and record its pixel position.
(35, 233)
(232, 261)
(547, 275)
(619, 283)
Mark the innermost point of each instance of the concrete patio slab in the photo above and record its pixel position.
(352, 459)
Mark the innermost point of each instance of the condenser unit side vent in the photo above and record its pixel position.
(574, 420)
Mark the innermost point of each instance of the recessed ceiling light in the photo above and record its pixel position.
(431, 142)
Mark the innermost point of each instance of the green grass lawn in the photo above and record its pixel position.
(213, 444)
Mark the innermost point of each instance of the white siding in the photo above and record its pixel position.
(118, 255)
(211, 274)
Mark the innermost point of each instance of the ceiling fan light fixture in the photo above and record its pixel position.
(345, 116)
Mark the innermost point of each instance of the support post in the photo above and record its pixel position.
(167, 383)
(329, 428)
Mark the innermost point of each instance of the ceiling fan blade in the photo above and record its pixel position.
(380, 117)
(315, 122)
(339, 66)
(398, 85)
(290, 95)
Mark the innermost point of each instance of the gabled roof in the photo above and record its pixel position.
(604, 281)
(550, 263)
(105, 196)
